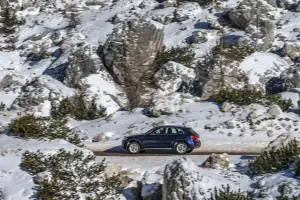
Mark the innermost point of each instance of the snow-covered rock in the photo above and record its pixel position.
(151, 186)
(226, 107)
(183, 179)
(291, 77)
(292, 49)
(171, 76)
(217, 161)
(187, 10)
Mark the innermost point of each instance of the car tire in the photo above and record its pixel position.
(181, 148)
(134, 147)
(190, 150)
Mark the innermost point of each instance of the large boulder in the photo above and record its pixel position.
(183, 179)
(186, 11)
(250, 13)
(172, 75)
(217, 161)
(131, 49)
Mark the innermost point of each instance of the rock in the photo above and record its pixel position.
(166, 104)
(151, 186)
(172, 75)
(275, 85)
(112, 170)
(199, 36)
(40, 91)
(257, 113)
(244, 129)
(183, 179)
(281, 140)
(291, 77)
(186, 11)
(226, 107)
(216, 161)
(101, 137)
(170, 3)
(270, 133)
(42, 176)
(275, 110)
(133, 61)
(164, 16)
(292, 50)
(83, 61)
(248, 13)
(230, 124)
(297, 9)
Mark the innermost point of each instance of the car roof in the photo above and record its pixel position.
(172, 126)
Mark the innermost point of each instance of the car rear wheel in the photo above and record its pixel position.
(134, 147)
(181, 148)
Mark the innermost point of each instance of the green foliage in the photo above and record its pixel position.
(297, 168)
(275, 160)
(71, 174)
(232, 52)
(30, 126)
(283, 196)
(247, 96)
(9, 20)
(2, 196)
(288, 198)
(77, 109)
(182, 55)
(227, 194)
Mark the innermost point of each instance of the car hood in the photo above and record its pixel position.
(134, 136)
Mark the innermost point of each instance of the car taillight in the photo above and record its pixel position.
(193, 137)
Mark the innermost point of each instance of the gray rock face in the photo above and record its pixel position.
(129, 52)
(250, 13)
(170, 77)
(216, 161)
(226, 107)
(83, 61)
(297, 9)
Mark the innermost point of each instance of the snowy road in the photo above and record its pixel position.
(165, 153)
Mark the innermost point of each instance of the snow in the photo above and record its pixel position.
(291, 96)
(260, 65)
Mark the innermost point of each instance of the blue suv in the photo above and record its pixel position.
(179, 138)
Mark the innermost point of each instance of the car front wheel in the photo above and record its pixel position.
(181, 148)
(134, 147)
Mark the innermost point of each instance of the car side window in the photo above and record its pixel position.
(180, 131)
(171, 131)
(158, 131)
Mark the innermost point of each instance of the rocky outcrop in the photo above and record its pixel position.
(183, 179)
(217, 161)
(250, 13)
(131, 49)
(42, 90)
(83, 61)
(275, 110)
(172, 75)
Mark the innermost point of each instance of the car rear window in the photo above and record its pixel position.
(192, 132)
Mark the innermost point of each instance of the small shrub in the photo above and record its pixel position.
(71, 176)
(2, 196)
(30, 126)
(227, 194)
(182, 55)
(275, 160)
(232, 52)
(247, 96)
(76, 108)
